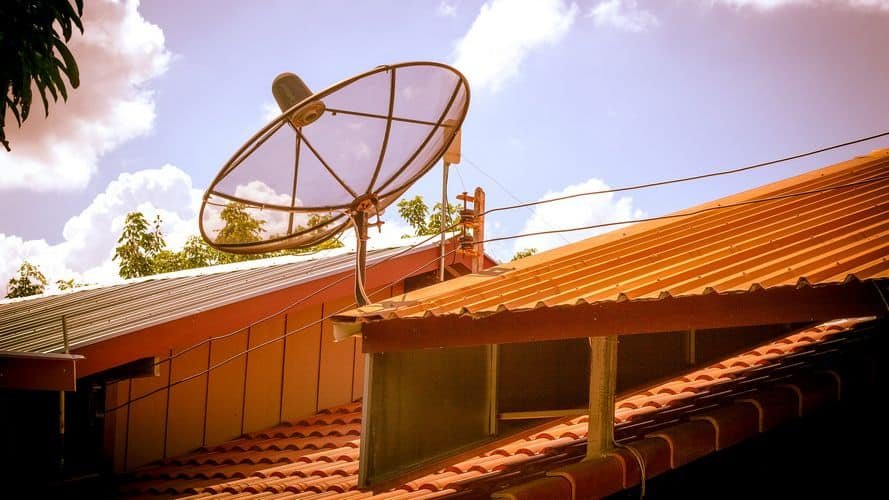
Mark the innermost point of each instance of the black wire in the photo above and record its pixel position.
(682, 179)
(460, 176)
(694, 212)
(272, 340)
(295, 303)
(503, 238)
(514, 197)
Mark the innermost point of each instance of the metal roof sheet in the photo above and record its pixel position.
(92, 314)
(803, 234)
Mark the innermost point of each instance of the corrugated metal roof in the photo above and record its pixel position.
(34, 324)
(802, 235)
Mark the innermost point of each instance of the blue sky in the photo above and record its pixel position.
(566, 96)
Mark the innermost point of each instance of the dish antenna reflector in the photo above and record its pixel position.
(333, 159)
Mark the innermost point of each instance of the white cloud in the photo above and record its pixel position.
(774, 4)
(575, 212)
(118, 54)
(391, 234)
(270, 111)
(500, 38)
(447, 9)
(89, 238)
(622, 14)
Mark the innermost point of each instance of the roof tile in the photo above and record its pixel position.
(669, 424)
(595, 478)
(689, 441)
(732, 424)
(549, 487)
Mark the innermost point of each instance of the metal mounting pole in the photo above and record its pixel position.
(359, 219)
(603, 381)
(444, 219)
(62, 402)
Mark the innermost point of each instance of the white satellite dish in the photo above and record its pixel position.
(334, 159)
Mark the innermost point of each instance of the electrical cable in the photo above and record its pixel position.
(460, 176)
(640, 460)
(296, 302)
(503, 238)
(687, 214)
(508, 193)
(663, 217)
(686, 179)
(267, 342)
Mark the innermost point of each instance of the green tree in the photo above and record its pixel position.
(240, 226)
(68, 284)
(521, 254)
(33, 54)
(142, 249)
(138, 246)
(314, 220)
(423, 221)
(415, 212)
(30, 281)
(166, 261)
(197, 253)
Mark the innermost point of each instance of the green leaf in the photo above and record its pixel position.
(57, 80)
(70, 65)
(41, 87)
(13, 108)
(35, 56)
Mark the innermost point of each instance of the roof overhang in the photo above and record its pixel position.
(784, 304)
(30, 371)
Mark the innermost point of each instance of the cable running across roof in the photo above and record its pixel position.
(695, 212)
(300, 300)
(509, 193)
(664, 217)
(267, 342)
(682, 179)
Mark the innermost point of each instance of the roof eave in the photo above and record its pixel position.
(31, 371)
(784, 304)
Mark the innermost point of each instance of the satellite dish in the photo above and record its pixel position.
(333, 159)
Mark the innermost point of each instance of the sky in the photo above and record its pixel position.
(567, 97)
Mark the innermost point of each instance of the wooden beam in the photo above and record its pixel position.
(786, 304)
(42, 372)
(603, 383)
(143, 367)
(531, 415)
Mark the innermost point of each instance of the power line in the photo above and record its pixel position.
(460, 176)
(509, 193)
(694, 212)
(687, 179)
(275, 339)
(295, 303)
(503, 238)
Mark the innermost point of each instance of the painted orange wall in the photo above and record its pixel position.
(281, 378)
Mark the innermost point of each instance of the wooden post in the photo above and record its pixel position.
(492, 382)
(603, 380)
(443, 221)
(478, 233)
(691, 357)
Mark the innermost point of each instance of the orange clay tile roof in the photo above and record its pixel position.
(802, 235)
(716, 406)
